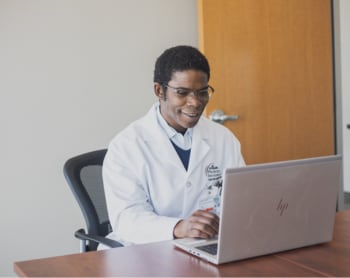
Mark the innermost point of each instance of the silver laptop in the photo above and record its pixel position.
(272, 207)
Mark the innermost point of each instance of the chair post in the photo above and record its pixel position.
(82, 245)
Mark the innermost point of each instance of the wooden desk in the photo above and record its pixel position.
(331, 259)
(162, 259)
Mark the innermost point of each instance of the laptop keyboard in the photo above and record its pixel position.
(211, 248)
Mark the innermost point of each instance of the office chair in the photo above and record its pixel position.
(84, 176)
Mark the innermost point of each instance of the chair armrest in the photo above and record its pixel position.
(81, 234)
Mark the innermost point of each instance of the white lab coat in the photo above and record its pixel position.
(147, 187)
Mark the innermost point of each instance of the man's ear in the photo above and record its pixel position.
(158, 91)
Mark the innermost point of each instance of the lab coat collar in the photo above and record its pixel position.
(200, 145)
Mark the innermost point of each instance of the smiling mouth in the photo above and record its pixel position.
(191, 115)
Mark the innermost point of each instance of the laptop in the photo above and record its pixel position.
(272, 207)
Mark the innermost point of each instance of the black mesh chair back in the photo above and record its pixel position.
(84, 176)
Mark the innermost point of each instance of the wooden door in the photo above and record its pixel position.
(271, 64)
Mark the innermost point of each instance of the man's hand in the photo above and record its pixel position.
(200, 224)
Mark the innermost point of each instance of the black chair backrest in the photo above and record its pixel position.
(84, 176)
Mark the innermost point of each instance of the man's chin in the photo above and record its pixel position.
(190, 124)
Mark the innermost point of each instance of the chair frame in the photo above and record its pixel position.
(96, 231)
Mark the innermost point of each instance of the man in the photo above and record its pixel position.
(163, 173)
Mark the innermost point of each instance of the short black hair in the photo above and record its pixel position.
(179, 58)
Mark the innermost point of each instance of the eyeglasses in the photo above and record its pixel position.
(203, 94)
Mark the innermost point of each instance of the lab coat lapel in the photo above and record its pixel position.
(158, 141)
(200, 147)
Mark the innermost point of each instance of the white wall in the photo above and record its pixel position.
(72, 74)
(344, 73)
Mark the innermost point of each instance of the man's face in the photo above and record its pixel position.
(182, 112)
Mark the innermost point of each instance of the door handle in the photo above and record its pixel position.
(219, 116)
(348, 126)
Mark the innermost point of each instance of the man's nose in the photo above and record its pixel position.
(193, 98)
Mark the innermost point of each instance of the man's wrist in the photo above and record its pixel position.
(175, 230)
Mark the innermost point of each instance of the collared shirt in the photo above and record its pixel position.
(182, 141)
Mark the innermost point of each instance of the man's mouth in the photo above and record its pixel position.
(191, 114)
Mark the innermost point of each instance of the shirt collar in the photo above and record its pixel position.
(182, 141)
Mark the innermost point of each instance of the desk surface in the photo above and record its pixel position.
(163, 259)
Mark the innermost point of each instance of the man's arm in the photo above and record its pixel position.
(130, 210)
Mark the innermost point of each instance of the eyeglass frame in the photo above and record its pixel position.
(209, 89)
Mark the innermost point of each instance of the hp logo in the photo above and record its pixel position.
(282, 206)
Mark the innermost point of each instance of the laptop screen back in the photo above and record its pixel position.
(277, 206)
